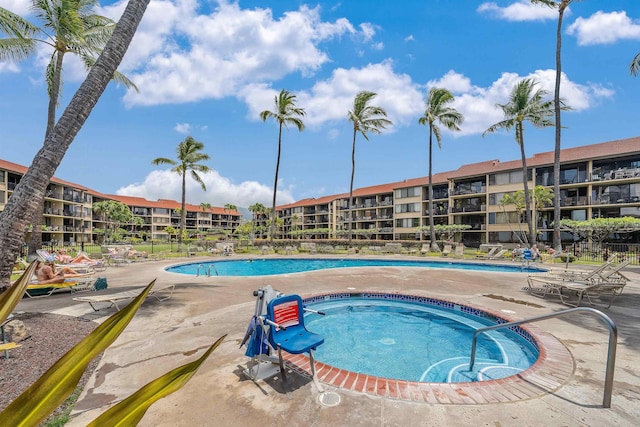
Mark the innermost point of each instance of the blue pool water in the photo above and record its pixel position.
(415, 341)
(271, 266)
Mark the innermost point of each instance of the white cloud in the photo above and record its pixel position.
(9, 67)
(523, 10)
(368, 31)
(179, 56)
(19, 7)
(329, 100)
(453, 82)
(164, 184)
(409, 38)
(183, 128)
(605, 28)
(478, 104)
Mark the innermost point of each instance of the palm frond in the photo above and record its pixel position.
(163, 161)
(634, 68)
(367, 118)
(437, 111)
(549, 3)
(16, 49)
(505, 124)
(16, 26)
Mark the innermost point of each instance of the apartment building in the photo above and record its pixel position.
(596, 181)
(69, 217)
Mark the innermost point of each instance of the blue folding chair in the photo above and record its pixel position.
(285, 316)
(527, 257)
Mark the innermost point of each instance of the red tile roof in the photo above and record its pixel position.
(586, 152)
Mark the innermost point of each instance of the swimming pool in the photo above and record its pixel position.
(273, 266)
(415, 339)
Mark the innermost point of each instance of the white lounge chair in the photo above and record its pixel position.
(446, 250)
(459, 251)
(489, 254)
(161, 293)
(605, 280)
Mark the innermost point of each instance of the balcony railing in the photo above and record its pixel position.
(461, 191)
(455, 209)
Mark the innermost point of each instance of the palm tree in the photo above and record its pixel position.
(562, 5)
(558, 107)
(205, 207)
(437, 111)
(28, 194)
(68, 27)
(228, 207)
(256, 209)
(517, 199)
(365, 118)
(634, 68)
(525, 104)
(542, 197)
(101, 209)
(188, 157)
(285, 113)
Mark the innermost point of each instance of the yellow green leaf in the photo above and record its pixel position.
(52, 388)
(12, 296)
(131, 410)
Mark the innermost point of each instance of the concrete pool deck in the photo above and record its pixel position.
(164, 335)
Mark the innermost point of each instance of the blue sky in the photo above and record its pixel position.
(207, 69)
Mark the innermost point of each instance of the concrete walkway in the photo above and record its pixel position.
(164, 335)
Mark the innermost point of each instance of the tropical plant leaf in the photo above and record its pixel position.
(52, 388)
(12, 296)
(131, 410)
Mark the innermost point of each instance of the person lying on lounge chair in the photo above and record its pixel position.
(47, 274)
(62, 256)
(81, 258)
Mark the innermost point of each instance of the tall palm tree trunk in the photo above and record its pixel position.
(183, 214)
(28, 193)
(353, 172)
(35, 240)
(432, 228)
(525, 181)
(557, 242)
(55, 92)
(272, 226)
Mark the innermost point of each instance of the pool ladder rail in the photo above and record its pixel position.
(611, 352)
(206, 270)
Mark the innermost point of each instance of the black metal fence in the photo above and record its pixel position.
(593, 252)
(582, 251)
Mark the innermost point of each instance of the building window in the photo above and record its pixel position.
(408, 207)
(496, 198)
(408, 222)
(511, 177)
(402, 193)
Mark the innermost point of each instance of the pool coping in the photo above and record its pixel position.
(553, 369)
(508, 267)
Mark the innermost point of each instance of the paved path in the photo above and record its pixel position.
(165, 334)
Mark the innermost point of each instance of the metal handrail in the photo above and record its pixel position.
(611, 354)
(204, 271)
